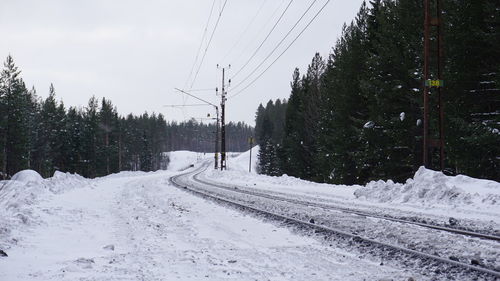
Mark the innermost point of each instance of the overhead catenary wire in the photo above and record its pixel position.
(263, 41)
(282, 53)
(201, 43)
(193, 96)
(208, 44)
(260, 31)
(244, 31)
(184, 105)
(276, 47)
(202, 90)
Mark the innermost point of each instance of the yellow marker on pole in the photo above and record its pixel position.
(434, 83)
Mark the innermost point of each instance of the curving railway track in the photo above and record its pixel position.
(434, 264)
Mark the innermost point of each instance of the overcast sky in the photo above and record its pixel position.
(136, 52)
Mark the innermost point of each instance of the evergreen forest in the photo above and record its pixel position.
(45, 136)
(356, 115)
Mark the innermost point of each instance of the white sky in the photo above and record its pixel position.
(135, 52)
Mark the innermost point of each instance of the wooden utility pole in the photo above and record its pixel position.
(250, 141)
(216, 136)
(223, 125)
(433, 83)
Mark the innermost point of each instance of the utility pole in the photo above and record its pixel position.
(216, 165)
(433, 83)
(250, 141)
(223, 125)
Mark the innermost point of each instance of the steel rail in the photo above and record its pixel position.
(334, 231)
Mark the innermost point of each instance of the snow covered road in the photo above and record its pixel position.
(136, 226)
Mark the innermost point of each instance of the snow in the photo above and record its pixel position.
(20, 197)
(27, 176)
(136, 226)
(125, 227)
(181, 160)
(428, 188)
(241, 161)
(283, 183)
(369, 125)
(428, 193)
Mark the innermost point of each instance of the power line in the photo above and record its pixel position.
(275, 48)
(193, 96)
(208, 45)
(286, 49)
(201, 43)
(244, 31)
(254, 38)
(202, 90)
(265, 39)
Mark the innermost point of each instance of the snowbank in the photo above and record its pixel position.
(181, 160)
(430, 188)
(19, 196)
(240, 162)
(427, 194)
(61, 182)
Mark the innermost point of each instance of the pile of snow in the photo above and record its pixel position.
(62, 182)
(181, 160)
(240, 162)
(19, 196)
(430, 188)
(26, 176)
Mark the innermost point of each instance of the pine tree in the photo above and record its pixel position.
(146, 154)
(107, 140)
(15, 122)
(292, 155)
(90, 130)
(472, 76)
(74, 140)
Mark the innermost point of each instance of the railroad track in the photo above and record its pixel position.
(244, 190)
(452, 265)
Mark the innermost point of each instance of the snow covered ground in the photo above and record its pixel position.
(241, 161)
(136, 226)
(428, 193)
(181, 160)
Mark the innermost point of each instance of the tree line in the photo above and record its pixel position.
(357, 115)
(197, 136)
(94, 140)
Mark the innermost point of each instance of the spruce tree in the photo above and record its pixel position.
(15, 119)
